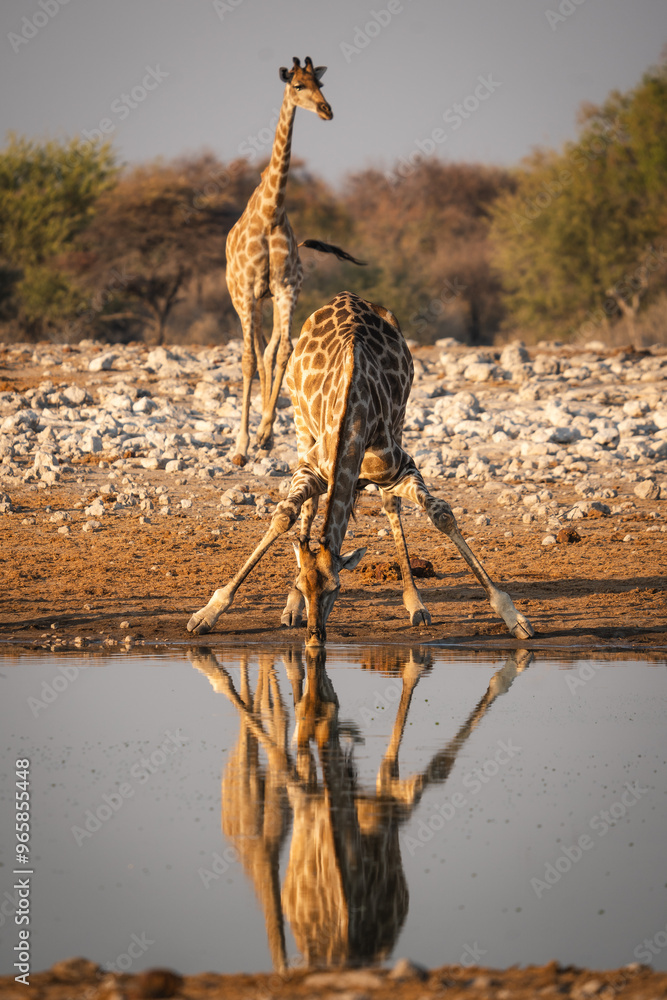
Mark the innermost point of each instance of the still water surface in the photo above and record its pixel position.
(232, 812)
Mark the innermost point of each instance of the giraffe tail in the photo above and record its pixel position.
(330, 248)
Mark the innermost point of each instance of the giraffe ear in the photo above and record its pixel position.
(319, 72)
(351, 559)
(285, 74)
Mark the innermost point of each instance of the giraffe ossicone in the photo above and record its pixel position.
(349, 379)
(263, 259)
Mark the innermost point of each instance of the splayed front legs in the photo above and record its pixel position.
(303, 486)
(292, 616)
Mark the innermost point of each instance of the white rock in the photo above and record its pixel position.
(74, 395)
(90, 443)
(479, 371)
(103, 362)
(647, 490)
(514, 354)
(636, 408)
(565, 435)
(145, 405)
(96, 509)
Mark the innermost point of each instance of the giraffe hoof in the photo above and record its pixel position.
(291, 619)
(239, 460)
(198, 625)
(523, 629)
(420, 617)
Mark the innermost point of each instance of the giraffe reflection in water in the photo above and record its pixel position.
(344, 894)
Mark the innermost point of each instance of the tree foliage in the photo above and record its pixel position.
(580, 239)
(571, 240)
(160, 226)
(47, 196)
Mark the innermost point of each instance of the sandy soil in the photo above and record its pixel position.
(138, 583)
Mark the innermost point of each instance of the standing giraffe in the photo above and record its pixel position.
(263, 259)
(349, 379)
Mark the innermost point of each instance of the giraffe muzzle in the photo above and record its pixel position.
(324, 111)
(316, 637)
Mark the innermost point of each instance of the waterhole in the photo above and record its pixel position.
(240, 809)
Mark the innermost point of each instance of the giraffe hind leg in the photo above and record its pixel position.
(441, 516)
(277, 352)
(411, 599)
(251, 322)
(412, 487)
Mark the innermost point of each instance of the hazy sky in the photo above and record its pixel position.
(203, 74)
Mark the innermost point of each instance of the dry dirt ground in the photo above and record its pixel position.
(79, 979)
(138, 583)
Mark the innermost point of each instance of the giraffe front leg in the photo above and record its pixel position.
(202, 621)
(251, 319)
(411, 598)
(292, 616)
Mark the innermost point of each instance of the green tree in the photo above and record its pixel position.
(48, 193)
(579, 242)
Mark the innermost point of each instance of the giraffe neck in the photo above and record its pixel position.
(274, 177)
(347, 467)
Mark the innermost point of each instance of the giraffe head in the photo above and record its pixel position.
(305, 89)
(318, 580)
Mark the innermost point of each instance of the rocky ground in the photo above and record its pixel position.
(79, 979)
(121, 512)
